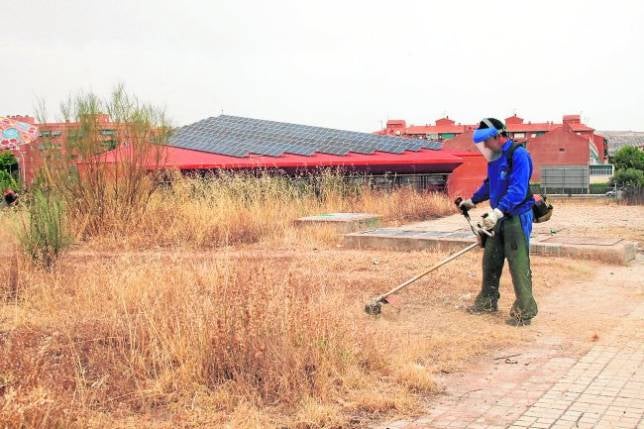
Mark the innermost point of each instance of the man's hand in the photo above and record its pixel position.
(491, 218)
(466, 204)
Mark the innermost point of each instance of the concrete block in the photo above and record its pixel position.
(342, 222)
(614, 251)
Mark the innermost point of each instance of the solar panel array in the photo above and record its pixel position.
(240, 137)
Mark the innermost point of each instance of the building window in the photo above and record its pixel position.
(519, 135)
(601, 170)
(45, 133)
(107, 132)
(56, 133)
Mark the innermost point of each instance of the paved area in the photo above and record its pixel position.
(564, 235)
(602, 389)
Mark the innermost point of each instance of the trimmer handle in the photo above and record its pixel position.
(463, 210)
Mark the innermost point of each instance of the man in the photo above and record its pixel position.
(510, 217)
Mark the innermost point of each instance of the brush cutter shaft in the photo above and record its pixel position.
(423, 274)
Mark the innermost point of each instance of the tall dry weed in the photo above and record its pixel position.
(228, 209)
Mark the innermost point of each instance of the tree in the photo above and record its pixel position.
(629, 157)
(8, 171)
(8, 162)
(628, 178)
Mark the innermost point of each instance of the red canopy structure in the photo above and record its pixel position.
(238, 143)
(421, 161)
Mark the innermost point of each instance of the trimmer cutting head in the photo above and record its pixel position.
(374, 307)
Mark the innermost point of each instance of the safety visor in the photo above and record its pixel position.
(481, 135)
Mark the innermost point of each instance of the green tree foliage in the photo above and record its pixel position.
(8, 171)
(629, 157)
(629, 173)
(628, 178)
(8, 161)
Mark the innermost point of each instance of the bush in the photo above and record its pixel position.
(7, 181)
(8, 171)
(105, 191)
(599, 188)
(628, 178)
(631, 181)
(8, 162)
(45, 236)
(628, 157)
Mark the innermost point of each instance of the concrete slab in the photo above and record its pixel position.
(343, 222)
(586, 241)
(452, 233)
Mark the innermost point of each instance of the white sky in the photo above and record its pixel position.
(342, 64)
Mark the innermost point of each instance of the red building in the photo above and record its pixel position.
(518, 129)
(55, 133)
(197, 148)
(443, 129)
(551, 144)
(24, 153)
(235, 143)
(561, 146)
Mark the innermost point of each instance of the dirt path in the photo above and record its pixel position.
(577, 323)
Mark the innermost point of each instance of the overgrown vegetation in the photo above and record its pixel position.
(105, 190)
(45, 235)
(267, 330)
(269, 334)
(629, 173)
(8, 171)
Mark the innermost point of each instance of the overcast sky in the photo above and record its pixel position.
(342, 64)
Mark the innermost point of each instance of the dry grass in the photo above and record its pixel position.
(231, 210)
(266, 332)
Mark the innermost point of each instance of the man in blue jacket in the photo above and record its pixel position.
(507, 188)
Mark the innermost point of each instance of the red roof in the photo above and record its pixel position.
(527, 128)
(461, 143)
(514, 124)
(434, 129)
(424, 160)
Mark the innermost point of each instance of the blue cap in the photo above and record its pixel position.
(483, 134)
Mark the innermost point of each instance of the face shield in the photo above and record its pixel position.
(479, 138)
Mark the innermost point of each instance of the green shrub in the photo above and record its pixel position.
(628, 157)
(599, 188)
(8, 162)
(45, 236)
(7, 181)
(629, 177)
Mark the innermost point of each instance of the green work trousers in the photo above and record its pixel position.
(509, 242)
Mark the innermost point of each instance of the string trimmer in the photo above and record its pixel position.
(374, 307)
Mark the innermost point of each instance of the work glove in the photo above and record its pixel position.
(466, 204)
(491, 218)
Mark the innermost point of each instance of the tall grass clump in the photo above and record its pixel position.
(45, 235)
(104, 167)
(128, 337)
(226, 209)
